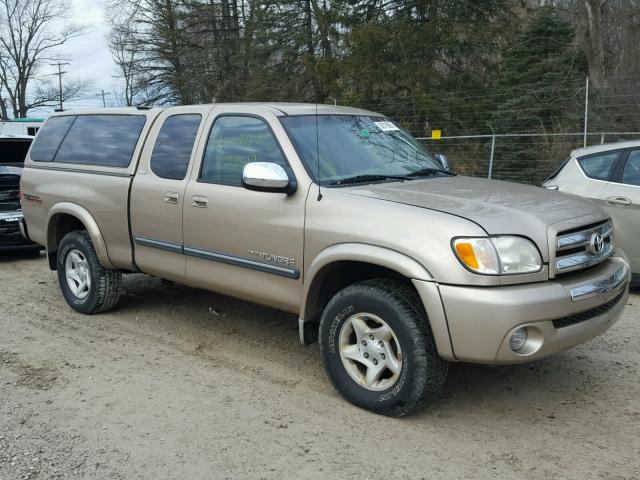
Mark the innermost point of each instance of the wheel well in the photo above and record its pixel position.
(59, 225)
(338, 275)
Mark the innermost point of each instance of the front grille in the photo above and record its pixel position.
(588, 314)
(10, 234)
(583, 247)
(9, 193)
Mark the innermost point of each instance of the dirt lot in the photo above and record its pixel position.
(180, 383)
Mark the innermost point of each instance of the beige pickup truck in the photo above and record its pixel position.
(395, 265)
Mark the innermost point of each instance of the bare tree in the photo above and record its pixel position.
(125, 59)
(47, 92)
(28, 37)
(121, 40)
(608, 32)
(3, 107)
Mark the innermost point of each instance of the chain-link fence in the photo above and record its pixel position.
(523, 158)
(536, 125)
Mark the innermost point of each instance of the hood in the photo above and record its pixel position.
(498, 207)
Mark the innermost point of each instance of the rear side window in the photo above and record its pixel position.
(172, 151)
(46, 145)
(107, 140)
(235, 141)
(598, 166)
(631, 172)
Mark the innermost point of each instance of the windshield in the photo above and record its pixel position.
(361, 147)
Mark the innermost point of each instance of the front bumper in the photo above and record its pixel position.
(482, 320)
(11, 236)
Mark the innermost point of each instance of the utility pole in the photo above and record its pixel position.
(103, 94)
(493, 150)
(586, 112)
(59, 73)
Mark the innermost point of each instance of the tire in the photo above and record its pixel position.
(102, 286)
(419, 374)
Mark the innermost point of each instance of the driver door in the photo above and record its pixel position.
(244, 243)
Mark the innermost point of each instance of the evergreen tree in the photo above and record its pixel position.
(535, 92)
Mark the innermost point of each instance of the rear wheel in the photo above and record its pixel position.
(86, 285)
(378, 349)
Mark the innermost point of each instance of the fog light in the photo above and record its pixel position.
(518, 339)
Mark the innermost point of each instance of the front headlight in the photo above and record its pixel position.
(503, 255)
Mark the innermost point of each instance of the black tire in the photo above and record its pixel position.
(105, 289)
(423, 372)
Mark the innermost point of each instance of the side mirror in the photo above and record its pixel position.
(444, 161)
(266, 177)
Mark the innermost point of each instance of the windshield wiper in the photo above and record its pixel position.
(426, 172)
(368, 178)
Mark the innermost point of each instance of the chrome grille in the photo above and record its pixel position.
(9, 193)
(583, 248)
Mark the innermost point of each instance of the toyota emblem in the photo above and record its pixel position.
(596, 244)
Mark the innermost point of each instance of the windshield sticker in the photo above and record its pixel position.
(364, 133)
(386, 126)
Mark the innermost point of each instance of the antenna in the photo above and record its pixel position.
(318, 155)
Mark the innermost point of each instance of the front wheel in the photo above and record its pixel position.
(378, 349)
(86, 285)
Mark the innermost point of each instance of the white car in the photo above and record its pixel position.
(610, 175)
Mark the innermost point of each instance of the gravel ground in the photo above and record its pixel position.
(181, 383)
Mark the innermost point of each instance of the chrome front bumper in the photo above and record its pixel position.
(13, 232)
(557, 314)
(601, 286)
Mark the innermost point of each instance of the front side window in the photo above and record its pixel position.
(107, 140)
(631, 172)
(47, 143)
(356, 147)
(235, 141)
(598, 166)
(172, 151)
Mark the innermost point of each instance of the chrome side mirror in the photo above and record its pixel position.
(266, 177)
(444, 161)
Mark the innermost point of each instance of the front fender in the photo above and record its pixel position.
(57, 212)
(360, 252)
(404, 265)
(363, 252)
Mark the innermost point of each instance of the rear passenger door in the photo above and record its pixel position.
(157, 194)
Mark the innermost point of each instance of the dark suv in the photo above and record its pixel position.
(13, 150)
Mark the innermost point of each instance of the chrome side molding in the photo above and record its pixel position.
(602, 286)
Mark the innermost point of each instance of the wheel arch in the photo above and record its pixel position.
(344, 264)
(66, 217)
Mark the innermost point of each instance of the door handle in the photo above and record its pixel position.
(171, 197)
(618, 201)
(199, 201)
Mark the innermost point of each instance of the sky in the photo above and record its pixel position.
(90, 56)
